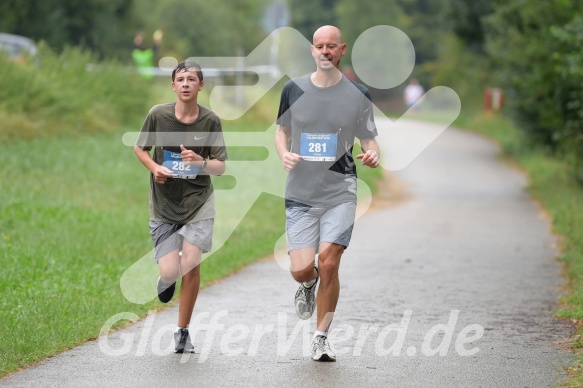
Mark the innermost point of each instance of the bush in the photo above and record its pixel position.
(568, 64)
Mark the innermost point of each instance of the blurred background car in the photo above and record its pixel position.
(17, 48)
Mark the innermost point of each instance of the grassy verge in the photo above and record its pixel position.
(58, 95)
(553, 185)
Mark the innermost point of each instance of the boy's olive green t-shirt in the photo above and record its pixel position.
(179, 201)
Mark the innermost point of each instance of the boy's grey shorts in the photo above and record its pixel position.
(307, 227)
(168, 237)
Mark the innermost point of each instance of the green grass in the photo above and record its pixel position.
(71, 220)
(552, 183)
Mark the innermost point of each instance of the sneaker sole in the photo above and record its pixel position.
(325, 358)
(184, 351)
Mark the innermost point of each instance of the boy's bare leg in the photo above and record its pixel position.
(169, 267)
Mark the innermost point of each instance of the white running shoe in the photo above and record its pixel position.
(321, 350)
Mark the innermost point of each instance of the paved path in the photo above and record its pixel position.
(454, 286)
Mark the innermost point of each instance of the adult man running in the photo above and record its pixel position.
(319, 116)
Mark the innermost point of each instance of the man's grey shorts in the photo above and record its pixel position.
(169, 237)
(307, 227)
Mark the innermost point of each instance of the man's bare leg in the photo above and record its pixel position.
(329, 289)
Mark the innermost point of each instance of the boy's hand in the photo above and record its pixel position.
(162, 174)
(189, 156)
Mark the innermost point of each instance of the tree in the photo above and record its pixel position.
(567, 60)
(99, 25)
(356, 17)
(203, 28)
(521, 44)
(308, 15)
(537, 52)
(466, 19)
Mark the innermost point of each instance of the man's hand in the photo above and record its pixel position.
(290, 160)
(369, 158)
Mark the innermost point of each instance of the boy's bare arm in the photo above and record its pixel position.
(213, 166)
(161, 173)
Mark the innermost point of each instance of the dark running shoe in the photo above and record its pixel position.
(165, 290)
(182, 341)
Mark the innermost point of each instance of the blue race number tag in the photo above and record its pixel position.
(319, 147)
(173, 161)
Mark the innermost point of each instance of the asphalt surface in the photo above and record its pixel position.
(450, 280)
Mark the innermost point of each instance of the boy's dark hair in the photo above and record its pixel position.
(188, 65)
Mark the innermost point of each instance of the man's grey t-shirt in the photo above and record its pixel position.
(338, 114)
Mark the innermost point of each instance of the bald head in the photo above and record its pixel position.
(328, 48)
(329, 33)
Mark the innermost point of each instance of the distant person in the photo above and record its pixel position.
(413, 93)
(320, 115)
(188, 146)
(144, 57)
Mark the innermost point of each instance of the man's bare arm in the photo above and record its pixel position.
(371, 153)
(283, 145)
